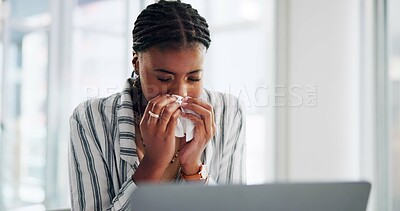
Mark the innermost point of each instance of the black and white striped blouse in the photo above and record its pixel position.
(102, 150)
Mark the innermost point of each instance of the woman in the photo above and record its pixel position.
(130, 137)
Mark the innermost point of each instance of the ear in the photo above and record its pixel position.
(135, 63)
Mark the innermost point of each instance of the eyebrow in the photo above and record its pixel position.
(169, 72)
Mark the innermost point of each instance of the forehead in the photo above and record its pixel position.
(176, 60)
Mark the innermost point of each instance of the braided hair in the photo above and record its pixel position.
(169, 24)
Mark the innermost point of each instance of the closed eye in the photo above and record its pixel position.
(164, 79)
(195, 79)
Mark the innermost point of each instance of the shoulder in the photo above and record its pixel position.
(223, 102)
(96, 109)
(228, 109)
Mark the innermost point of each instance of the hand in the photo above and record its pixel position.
(191, 152)
(158, 137)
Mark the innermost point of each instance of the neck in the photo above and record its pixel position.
(143, 103)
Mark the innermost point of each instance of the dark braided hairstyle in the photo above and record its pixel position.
(169, 25)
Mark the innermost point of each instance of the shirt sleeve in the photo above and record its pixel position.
(233, 162)
(90, 181)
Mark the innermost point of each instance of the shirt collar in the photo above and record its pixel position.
(126, 118)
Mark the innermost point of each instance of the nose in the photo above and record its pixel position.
(179, 89)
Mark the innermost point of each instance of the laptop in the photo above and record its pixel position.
(344, 196)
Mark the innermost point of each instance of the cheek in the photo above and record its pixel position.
(151, 88)
(151, 91)
(196, 91)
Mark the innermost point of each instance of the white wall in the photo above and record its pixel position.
(323, 50)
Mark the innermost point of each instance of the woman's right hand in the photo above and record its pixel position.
(158, 136)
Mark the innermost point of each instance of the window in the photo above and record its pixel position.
(240, 62)
(99, 50)
(394, 100)
(90, 57)
(24, 105)
(60, 53)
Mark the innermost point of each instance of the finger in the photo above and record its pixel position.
(199, 123)
(206, 115)
(155, 105)
(201, 103)
(146, 116)
(173, 120)
(166, 115)
(148, 108)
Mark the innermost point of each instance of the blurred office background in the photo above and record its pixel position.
(320, 80)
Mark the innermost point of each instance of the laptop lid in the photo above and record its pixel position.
(348, 196)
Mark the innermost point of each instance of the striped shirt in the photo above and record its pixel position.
(102, 149)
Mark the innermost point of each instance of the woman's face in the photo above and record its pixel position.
(177, 72)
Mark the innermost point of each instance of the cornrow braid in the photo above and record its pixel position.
(169, 24)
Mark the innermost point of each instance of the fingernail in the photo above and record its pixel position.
(184, 104)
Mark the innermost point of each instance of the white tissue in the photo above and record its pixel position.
(184, 126)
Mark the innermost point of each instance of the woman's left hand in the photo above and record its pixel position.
(190, 154)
